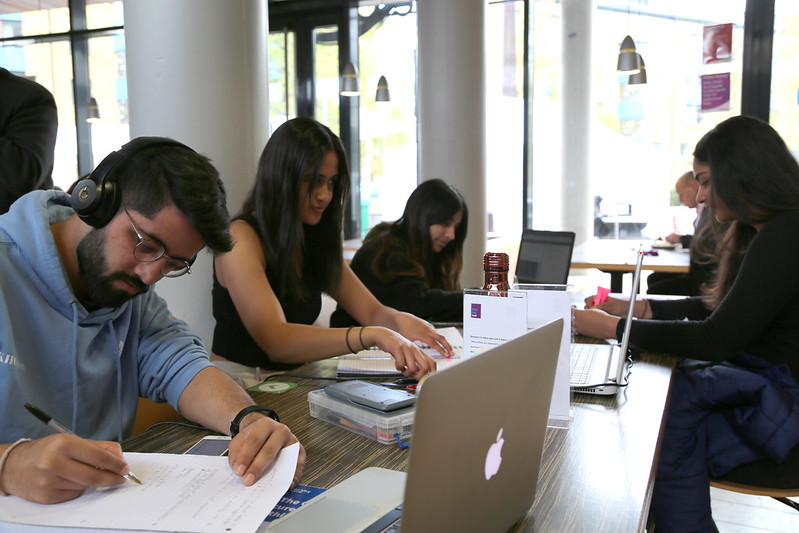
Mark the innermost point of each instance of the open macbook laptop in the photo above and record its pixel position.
(544, 256)
(599, 368)
(475, 453)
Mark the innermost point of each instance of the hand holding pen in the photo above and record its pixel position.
(60, 467)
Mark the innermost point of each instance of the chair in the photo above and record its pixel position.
(544, 257)
(150, 412)
(781, 495)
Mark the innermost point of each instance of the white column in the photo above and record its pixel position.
(197, 72)
(452, 144)
(577, 204)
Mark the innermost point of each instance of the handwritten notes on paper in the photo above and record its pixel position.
(179, 493)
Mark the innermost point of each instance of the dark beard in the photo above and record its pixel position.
(99, 289)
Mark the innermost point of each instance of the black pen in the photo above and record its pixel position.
(61, 428)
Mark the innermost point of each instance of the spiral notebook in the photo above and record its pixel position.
(374, 362)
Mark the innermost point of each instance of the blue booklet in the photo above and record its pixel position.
(292, 500)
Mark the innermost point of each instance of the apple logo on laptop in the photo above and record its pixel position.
(494, 457)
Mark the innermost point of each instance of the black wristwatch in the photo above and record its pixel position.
(268, 411)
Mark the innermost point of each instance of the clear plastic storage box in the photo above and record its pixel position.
(361, 420)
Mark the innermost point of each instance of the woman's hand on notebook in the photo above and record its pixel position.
(416, 329)
(408, 357)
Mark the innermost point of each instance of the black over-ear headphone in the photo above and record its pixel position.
(97, 198)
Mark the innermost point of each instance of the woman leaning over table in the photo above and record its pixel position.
(288, 250)
(414, 264)
(734, 403)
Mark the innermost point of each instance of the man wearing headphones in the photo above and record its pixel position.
(83, 334)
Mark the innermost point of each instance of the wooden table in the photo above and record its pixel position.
(617, 257)
(595, 476)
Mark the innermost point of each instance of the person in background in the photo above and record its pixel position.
(702, 243)
(83, 334)
(734, 402)
(288, 251)
(28, 127)
(686, 188)
(414, 264)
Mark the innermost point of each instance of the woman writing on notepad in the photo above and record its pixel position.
(734, 407)
(288, 251)
(414, 264)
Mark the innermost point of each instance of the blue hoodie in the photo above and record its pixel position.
(86, 369)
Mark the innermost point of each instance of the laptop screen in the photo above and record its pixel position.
(544, 256)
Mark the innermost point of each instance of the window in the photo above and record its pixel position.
(75, 66)
(388, 148)
(784, 112)
(641, 136)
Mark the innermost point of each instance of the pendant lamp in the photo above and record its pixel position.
(349, 80)
(639, 78)
(628, 62)
(93, 111)
(382, 94)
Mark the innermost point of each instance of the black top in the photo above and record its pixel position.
(404, 293)
(232, 340)
(759, 315)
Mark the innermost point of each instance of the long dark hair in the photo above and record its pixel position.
(433, 202)
(754, 174)
(295, 148)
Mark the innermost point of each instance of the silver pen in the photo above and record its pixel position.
(61, 428)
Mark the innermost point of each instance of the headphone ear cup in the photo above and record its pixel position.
(96, 204)
(97, 199)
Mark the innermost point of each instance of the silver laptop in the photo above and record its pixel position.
(599, 368)
(475, 453)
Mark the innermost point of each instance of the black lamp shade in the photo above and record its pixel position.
(629, 60)
(349, 80)
(639, 78)
(382, 94)
(93, 111)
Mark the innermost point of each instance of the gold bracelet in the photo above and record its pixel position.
(3, 461)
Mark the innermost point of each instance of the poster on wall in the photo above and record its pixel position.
(717, 43)
(716, 92)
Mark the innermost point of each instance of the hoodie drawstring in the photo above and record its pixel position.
(118, 359)
(74, 365)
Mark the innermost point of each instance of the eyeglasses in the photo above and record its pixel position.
(147, 251)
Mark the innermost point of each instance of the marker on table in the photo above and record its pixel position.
(61, 428)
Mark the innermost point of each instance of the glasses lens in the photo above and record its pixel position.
(175, 269)
(147, 251)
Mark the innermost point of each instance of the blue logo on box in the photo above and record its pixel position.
(476, 310)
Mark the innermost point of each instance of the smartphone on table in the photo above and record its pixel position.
(211, 445)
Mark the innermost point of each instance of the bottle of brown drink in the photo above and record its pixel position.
(495, 268)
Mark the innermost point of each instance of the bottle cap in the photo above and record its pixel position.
(496, 261)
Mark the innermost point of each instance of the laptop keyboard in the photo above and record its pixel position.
(388, 523)
(580, 363)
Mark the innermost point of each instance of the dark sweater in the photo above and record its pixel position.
(403, 292)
